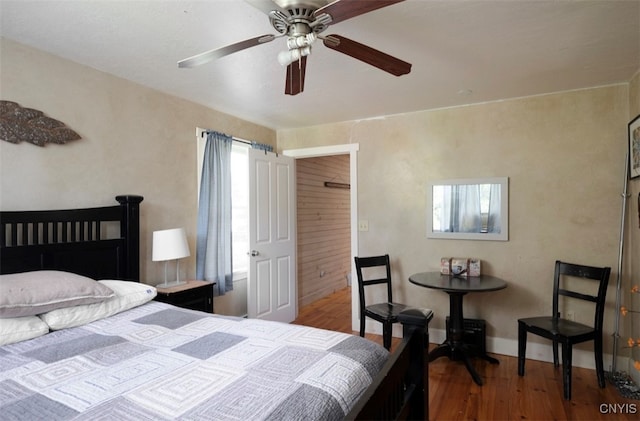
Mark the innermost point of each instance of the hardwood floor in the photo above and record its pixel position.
(505, 395)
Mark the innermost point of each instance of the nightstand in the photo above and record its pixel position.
(195, 295)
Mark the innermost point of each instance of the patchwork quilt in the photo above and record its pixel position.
(160, 362)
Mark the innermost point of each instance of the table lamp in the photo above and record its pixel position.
(168, 245)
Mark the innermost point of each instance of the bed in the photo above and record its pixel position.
(93, 344)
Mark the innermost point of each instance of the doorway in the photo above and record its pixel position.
(323, 226)
(351, 150)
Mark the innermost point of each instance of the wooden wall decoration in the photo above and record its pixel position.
(19, 124)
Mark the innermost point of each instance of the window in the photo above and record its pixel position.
(240, 209)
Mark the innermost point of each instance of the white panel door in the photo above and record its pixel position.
(272, 268)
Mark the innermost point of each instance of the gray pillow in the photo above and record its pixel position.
(31, 293)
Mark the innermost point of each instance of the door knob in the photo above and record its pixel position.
(254, 253)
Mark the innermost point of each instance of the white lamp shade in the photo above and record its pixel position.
(170, 244)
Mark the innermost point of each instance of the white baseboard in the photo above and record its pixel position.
(535, 350)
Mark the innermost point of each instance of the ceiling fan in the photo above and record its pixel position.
(303, 21)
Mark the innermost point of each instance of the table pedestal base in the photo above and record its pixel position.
(462, 352)
(455, 348)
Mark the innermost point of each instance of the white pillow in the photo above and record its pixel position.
(127, 295)
(31, 293)
(21, 328)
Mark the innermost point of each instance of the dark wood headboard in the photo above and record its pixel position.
(101, 243)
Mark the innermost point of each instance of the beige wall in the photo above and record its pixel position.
(564, 156)
(134, 140)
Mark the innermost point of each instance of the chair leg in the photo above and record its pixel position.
(555, 353)
(362, 324)
(567, 350)
(599, 362)
(386, 335)
(522, 347)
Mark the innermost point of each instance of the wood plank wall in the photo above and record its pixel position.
(324, 227)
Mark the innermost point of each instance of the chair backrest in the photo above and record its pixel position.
(373, 262)
(564, 271)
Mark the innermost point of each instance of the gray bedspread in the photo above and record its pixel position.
(158, 362)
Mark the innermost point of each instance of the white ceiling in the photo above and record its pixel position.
(462, 52)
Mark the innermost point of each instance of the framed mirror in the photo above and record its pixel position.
(468, 209)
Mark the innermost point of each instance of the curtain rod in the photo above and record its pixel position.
(235, 139)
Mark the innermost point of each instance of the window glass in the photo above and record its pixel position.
(240, 209)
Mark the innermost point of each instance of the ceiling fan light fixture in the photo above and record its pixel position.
(301, 41)
(285, 58)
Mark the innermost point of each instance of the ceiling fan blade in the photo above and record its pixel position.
(211, 55)
(341, 10)
(295, 76)
(369, 55)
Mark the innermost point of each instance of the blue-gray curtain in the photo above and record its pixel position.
(213, 247)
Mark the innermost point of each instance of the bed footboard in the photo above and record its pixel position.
(401, 389)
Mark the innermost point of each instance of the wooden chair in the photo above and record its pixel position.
(568, 332)
(387, 312)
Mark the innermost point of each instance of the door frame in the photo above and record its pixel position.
(352, 150)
